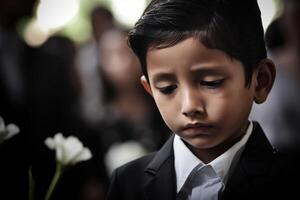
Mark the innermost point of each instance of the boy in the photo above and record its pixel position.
(204, 63)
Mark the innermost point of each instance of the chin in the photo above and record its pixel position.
(201, 144)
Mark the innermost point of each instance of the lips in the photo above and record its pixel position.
(197, 129)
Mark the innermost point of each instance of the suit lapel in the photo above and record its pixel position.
(161, 174)
(250, 174)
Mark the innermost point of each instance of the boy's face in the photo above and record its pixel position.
(200, 93)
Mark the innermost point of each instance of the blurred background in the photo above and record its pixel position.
(71, 18)
(65, 67)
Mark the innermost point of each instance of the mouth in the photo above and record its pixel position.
(197, 129)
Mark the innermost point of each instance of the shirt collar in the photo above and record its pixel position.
(221, 164)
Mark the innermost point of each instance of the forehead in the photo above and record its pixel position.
(188, 54)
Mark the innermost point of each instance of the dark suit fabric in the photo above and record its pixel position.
(261, 173)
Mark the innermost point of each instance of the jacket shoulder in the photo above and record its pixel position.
(128, 180)
(136, 166)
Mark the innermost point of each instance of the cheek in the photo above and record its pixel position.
(167, 109)
(231, 107)
(219, 109)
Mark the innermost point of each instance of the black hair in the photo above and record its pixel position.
(232, 26)
(274, 35)
(105, 12)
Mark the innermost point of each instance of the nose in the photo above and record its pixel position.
(192, 103)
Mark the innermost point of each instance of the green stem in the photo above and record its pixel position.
(31, 185)
(56, 177)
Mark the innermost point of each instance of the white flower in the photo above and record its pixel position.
(8, 131)
(69, 151)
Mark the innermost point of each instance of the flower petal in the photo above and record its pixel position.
(72, 147)
(7, 132)
(2, 125)
(59, 138)
(69, 150)
(12, 130)
(59, 141)
(84, 155)
(50, 143)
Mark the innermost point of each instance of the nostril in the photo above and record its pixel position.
(192, 103)
(185, 114)
(192, 113)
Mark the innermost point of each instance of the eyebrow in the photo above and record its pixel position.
(215, 70)
(163, 76)
(198, 71)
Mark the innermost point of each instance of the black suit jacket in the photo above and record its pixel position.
(261, 173)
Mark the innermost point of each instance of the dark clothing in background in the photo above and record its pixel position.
(38, 95)
(15, 59)
(149, 132)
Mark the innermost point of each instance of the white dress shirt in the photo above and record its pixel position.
(186, 161)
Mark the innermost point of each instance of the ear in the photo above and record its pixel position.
(146, 85)
(265, 74)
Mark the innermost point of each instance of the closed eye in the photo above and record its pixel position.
(212, 84)
(167, 90)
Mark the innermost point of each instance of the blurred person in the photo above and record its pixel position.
(51, 101)
(131, 124)
(291, 30)
(90, 107)
(54, 87)
(88, 60)
(284, 47)
(55, 90)
(15, 60)
(39, 88)
(280, 115)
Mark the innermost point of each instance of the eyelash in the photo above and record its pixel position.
(209, 84)
(167, 90)
(212, 84)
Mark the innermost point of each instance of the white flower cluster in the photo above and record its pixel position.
(69, 151)
(8, 131)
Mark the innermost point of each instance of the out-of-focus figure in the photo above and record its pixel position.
(54, 102)
(87, 63)
(283, 105)
(291, 30)
(15, 61)
(15, 57)
(131, 124)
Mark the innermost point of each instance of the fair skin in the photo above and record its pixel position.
(201, 94)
